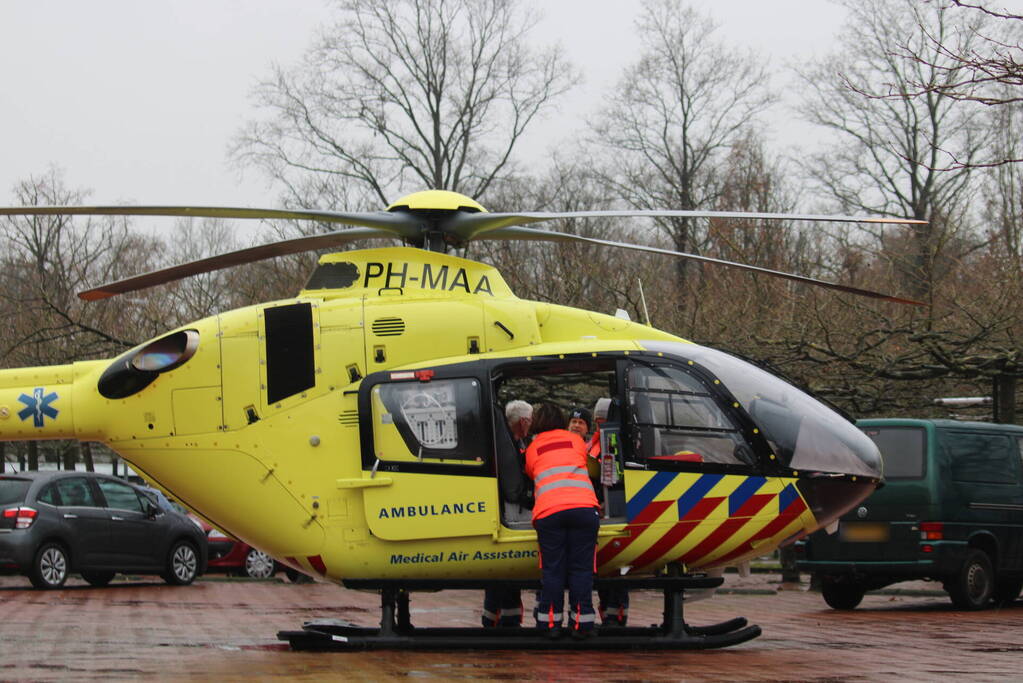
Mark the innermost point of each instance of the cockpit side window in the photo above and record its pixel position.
(437, 421)
(676, 418)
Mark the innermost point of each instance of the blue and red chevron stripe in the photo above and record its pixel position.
(701, 519)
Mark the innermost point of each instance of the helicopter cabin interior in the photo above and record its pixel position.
(664, 414)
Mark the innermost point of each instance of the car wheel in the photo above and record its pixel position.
(50, 568)
(98, 579)
(259, 565)
(842, 594)
(1007, 590)
(973, 586)
(296, 576)
(182, 564)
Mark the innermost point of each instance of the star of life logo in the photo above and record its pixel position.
(37, 406)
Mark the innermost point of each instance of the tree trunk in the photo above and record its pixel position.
(1004, 404)
(87, 456)
(70, 456)
(33, 455)
(787, 559)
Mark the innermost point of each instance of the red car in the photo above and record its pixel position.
(229, 555)
(232, 556)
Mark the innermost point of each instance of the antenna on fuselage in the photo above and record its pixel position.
(642, 300)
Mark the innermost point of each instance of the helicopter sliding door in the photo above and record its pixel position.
(424, 437)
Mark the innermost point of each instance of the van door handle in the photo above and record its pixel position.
(116, 518)
(68, 515)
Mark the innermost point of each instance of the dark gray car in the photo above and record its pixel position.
(56, 523)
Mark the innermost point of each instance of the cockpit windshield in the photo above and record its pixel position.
(804, 433)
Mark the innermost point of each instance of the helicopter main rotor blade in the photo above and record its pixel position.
(521, 233)
(233, 258)
(467, 226)
(401, 224)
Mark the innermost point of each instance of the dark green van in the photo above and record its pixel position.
(951, 510)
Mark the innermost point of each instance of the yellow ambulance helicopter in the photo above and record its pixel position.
(356, 431)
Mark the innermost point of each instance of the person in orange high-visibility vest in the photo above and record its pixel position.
(566, 520)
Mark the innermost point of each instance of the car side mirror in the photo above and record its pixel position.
(151, 510)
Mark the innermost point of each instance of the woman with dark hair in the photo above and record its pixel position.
(566, 519)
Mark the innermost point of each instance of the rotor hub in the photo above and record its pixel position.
(435, 207)
(436, 200)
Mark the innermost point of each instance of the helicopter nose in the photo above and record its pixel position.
(829, 498)
(835, 464)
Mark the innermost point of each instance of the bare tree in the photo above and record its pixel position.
(1004, 185)
(886, 150)
(984, 57)
(431, 93)
(210, 293)
(675, 114)
(734, 308)
(47, 259)
(587, 276)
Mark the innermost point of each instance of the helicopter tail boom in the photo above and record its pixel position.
(36, 403)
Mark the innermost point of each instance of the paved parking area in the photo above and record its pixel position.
(225, 629)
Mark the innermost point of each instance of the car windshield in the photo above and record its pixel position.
(804, 433)
(13, 490)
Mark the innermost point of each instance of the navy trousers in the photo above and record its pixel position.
(568, 541)
(614, 605)
(502, 607)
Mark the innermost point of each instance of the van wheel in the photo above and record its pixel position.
(98, 579)
(50, 567)
(842, 594)
(1007, 590)
(182, 564)
(973, 586)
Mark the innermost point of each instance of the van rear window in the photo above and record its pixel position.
(902, 450)
(13, 490)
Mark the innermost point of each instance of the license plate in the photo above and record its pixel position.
(863, 532)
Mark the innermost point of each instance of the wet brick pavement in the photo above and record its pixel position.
(225, 629)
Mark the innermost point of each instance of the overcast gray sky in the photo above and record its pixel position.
(137, 101)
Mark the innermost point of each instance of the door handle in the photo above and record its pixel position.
(68, 515)
(116, 518)
(363, 483)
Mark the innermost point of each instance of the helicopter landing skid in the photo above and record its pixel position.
(397, 632)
